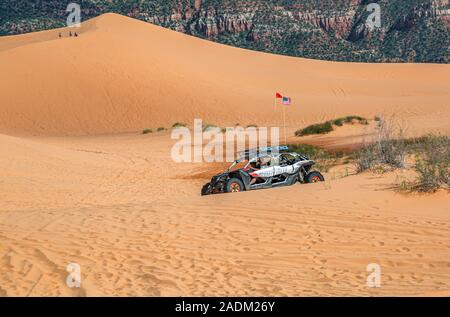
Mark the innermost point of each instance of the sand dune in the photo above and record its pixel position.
(121, 74)
(117, 204)
(137, 225)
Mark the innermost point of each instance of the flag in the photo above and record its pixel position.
(287, 101)
(278, 95)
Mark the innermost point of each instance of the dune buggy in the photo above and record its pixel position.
(263, 168)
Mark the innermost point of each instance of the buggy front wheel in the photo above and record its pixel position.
(235, 185)
(314, 177)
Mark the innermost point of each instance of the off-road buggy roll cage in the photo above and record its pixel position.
(281, 168)
(255, 153)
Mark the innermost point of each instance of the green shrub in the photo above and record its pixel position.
(338, 122)
(324, 158)
(207, 126)
(178, 125)
(147, 131)
(319, 128)
(161, 129)
(433, 164)
(388, 149)
(350, 119)
(366, 158)
(326, 127)
(308, 150)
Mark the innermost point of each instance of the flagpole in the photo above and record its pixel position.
(284, 124)
(275, 105)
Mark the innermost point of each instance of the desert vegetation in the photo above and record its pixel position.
(178, 125)
(349, 119)
(411, 31)
(326, 127)
(432, 163)
(318, 128)
(324, 159)
(430, 154)
(387, 150)
(208, 126)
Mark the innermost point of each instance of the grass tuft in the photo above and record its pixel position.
(178, 125)
(319, 128)
(432, 164)
(324, 159)
(389, 149)
(208, 126)
(326, 127)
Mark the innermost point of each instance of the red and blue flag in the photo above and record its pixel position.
(287, 101)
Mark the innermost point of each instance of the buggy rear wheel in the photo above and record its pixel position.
(314, 177)
(235, 185)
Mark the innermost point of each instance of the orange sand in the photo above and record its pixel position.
(134, 220)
